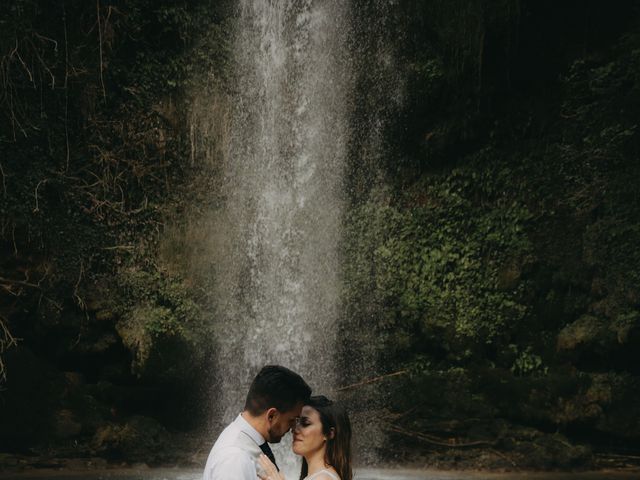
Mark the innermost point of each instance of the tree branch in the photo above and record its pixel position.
(437, 441)
(6, 341)
(20, 283)
(372, 380)
(4, 183)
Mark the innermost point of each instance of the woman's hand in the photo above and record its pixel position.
(270, 472)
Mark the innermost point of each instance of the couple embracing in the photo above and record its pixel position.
(280, 401)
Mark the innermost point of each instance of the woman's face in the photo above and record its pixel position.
(307, 435)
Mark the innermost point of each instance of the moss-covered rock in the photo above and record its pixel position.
(140, 439)
(162, 326)
(583, 334)
(553, 451)
(66, 424)
(30, 400)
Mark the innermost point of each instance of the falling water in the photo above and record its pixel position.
(312, 88)
(277, 263)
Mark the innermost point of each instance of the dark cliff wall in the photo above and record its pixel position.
(498, 267)
(104, 342)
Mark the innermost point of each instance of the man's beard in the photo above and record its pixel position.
(274, 437)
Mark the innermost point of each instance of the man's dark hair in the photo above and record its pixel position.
(277, 387)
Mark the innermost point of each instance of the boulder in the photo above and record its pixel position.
(139, 439)
(621, 413)
(585, 332)
(593, 343)
(66, 425)
(31, 397)
(553, 451)
(163, 351)
(626, 329)
(96, 343)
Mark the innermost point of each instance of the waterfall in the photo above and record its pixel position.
(277, 266)
(298, 118)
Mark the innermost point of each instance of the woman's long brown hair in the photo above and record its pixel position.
(338, 452)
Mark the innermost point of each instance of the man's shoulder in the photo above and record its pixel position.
(234, 437)
(229, 461)
(235, 452)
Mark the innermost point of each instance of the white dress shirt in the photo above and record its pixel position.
(235, 454)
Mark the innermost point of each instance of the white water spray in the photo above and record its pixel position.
(277, 265)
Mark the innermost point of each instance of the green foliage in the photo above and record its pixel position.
(508, 218)
(526, 362)
(176, 45)
(92, 151)
(601, 139)
(165, 305)
(160, 323)
(434, 265)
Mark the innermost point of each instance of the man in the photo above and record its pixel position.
(276, 397)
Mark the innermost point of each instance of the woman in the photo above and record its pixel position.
(323, 437)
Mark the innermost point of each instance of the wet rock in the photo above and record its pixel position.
(124, 398)
(74, 379)
(586, 406)
(97, 463)
(100, 298)
(136, 337)
(76, 464)
(532, 449)
(553, 451)
(607, 307)
(593, 343)
(559, 305)
(66, 425)
(32, 395)
(585, 332)
(626, 329)
(163, 352)
(105, 315)
(49, 463)
(605, 403)
(599, 287)
(117, 372)
(88, 411)
(198, 458)
(140, 439)
(8, 460)
(621, 417)
(96, 344)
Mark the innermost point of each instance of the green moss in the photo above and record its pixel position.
(435, 265)
(161, 324)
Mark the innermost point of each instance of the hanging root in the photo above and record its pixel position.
(6, 341)
(372, 380)
(4, 182)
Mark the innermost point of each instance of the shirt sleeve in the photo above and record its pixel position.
(234, 465)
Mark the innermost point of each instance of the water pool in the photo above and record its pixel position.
(360, 474)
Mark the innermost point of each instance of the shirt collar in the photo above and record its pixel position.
(249, 430)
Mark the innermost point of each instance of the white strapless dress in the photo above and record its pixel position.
(328, 472)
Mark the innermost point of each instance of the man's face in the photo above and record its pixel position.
(281, 423)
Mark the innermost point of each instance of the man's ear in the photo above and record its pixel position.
(272, 413)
